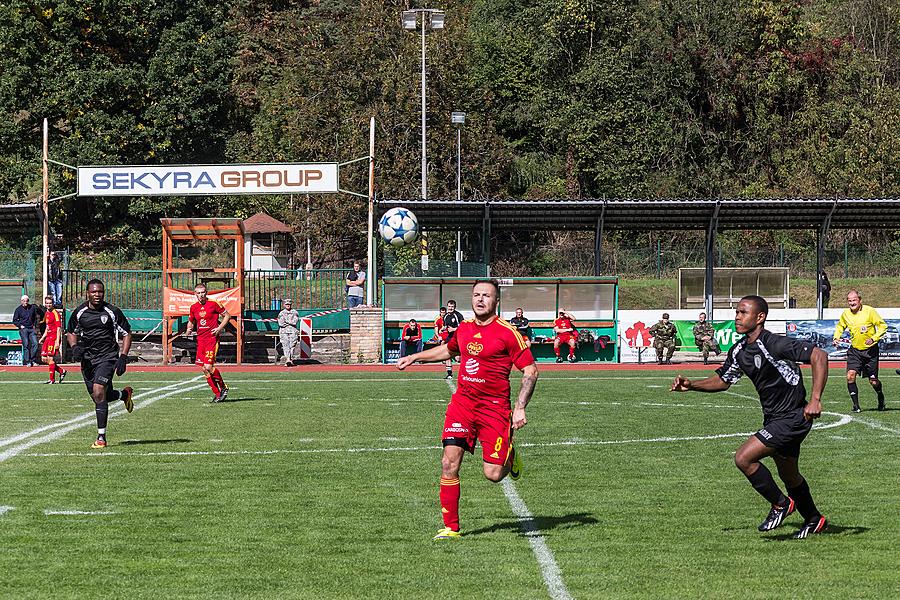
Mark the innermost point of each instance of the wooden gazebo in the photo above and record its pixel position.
(177, 302)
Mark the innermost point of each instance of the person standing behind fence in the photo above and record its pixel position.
(26, 319)
(356, 285)
(287, 331)
(54, 277)
(825, 286)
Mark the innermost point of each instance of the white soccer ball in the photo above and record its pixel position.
(399, 227)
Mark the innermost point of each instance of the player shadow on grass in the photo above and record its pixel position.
(231, 399)
(169, 441)
(542, 524)
(830, 530)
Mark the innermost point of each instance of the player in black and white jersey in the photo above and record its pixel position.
(93, 333)
(770, 361)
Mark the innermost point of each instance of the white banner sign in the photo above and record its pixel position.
(205, 180)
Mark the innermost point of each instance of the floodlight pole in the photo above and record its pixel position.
(45, 211)
(370, 275)
(458, 118)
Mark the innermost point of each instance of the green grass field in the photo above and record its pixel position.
(312, 485)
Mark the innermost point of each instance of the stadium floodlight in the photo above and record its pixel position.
(458, 118)
(409, 20)
(432, 19)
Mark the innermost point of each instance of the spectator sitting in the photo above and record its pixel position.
(440, 332)
(26, 318)
(412, 333)
(566, 333)
(522, 325)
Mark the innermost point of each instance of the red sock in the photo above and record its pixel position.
(52, 371)
(556, 349)
(450, 502)
(571, 351)
(212, 384)
(59, 369)
(217, 376)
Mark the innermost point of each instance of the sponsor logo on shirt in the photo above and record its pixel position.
(472, 379)
(474, 348)
(472, 366)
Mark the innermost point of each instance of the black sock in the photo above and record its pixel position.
(878, 390)
(804, 501)
(102, 411)
(112, 395)
(854, 393)
(763, 482)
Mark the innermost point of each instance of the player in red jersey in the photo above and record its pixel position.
(565, 334)
(479, 409)
(51, 340)
(204, 316)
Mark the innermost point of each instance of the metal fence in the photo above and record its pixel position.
(394, 267)
(263, 290)
(661, 261)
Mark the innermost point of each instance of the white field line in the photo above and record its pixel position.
(27, 434)
(5, 509)
(875, 424)
(843, 420)
(549, 569)
(547, 562)
(50, 512)
(86, 419)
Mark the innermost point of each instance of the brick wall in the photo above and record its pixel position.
(365, 335)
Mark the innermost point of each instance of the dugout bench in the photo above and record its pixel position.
(592, 300)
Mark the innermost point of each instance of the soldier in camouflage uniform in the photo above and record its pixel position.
(705, 338)
(664, 338)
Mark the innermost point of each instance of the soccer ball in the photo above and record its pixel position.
(399, 227)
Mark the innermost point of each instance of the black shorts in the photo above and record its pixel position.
(864, 362)
(98, 373)
(785, 434)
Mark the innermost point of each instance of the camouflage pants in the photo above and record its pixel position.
(707, 347)
(668, 345)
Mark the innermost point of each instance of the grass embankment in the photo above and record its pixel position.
(637, 294)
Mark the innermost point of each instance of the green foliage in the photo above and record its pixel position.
(571, 98)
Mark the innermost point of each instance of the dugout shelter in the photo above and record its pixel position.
(708, 215)
(592, 300)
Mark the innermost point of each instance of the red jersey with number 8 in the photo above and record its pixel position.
(487, 354)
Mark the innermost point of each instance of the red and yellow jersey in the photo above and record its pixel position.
(438, 325)
(205, 317)
(487, 354)
(52, 321)
(564, 323)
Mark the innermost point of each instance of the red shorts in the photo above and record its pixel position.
(207, 348)
(565, 337)
(465, 422)
(48, 349)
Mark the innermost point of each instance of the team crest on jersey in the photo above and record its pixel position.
(202, 313)
(474, 348)
(104, 319)
(757, 361)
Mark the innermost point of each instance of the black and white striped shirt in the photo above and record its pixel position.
(771, 364)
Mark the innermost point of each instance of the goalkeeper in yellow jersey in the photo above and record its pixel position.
(865, 328)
